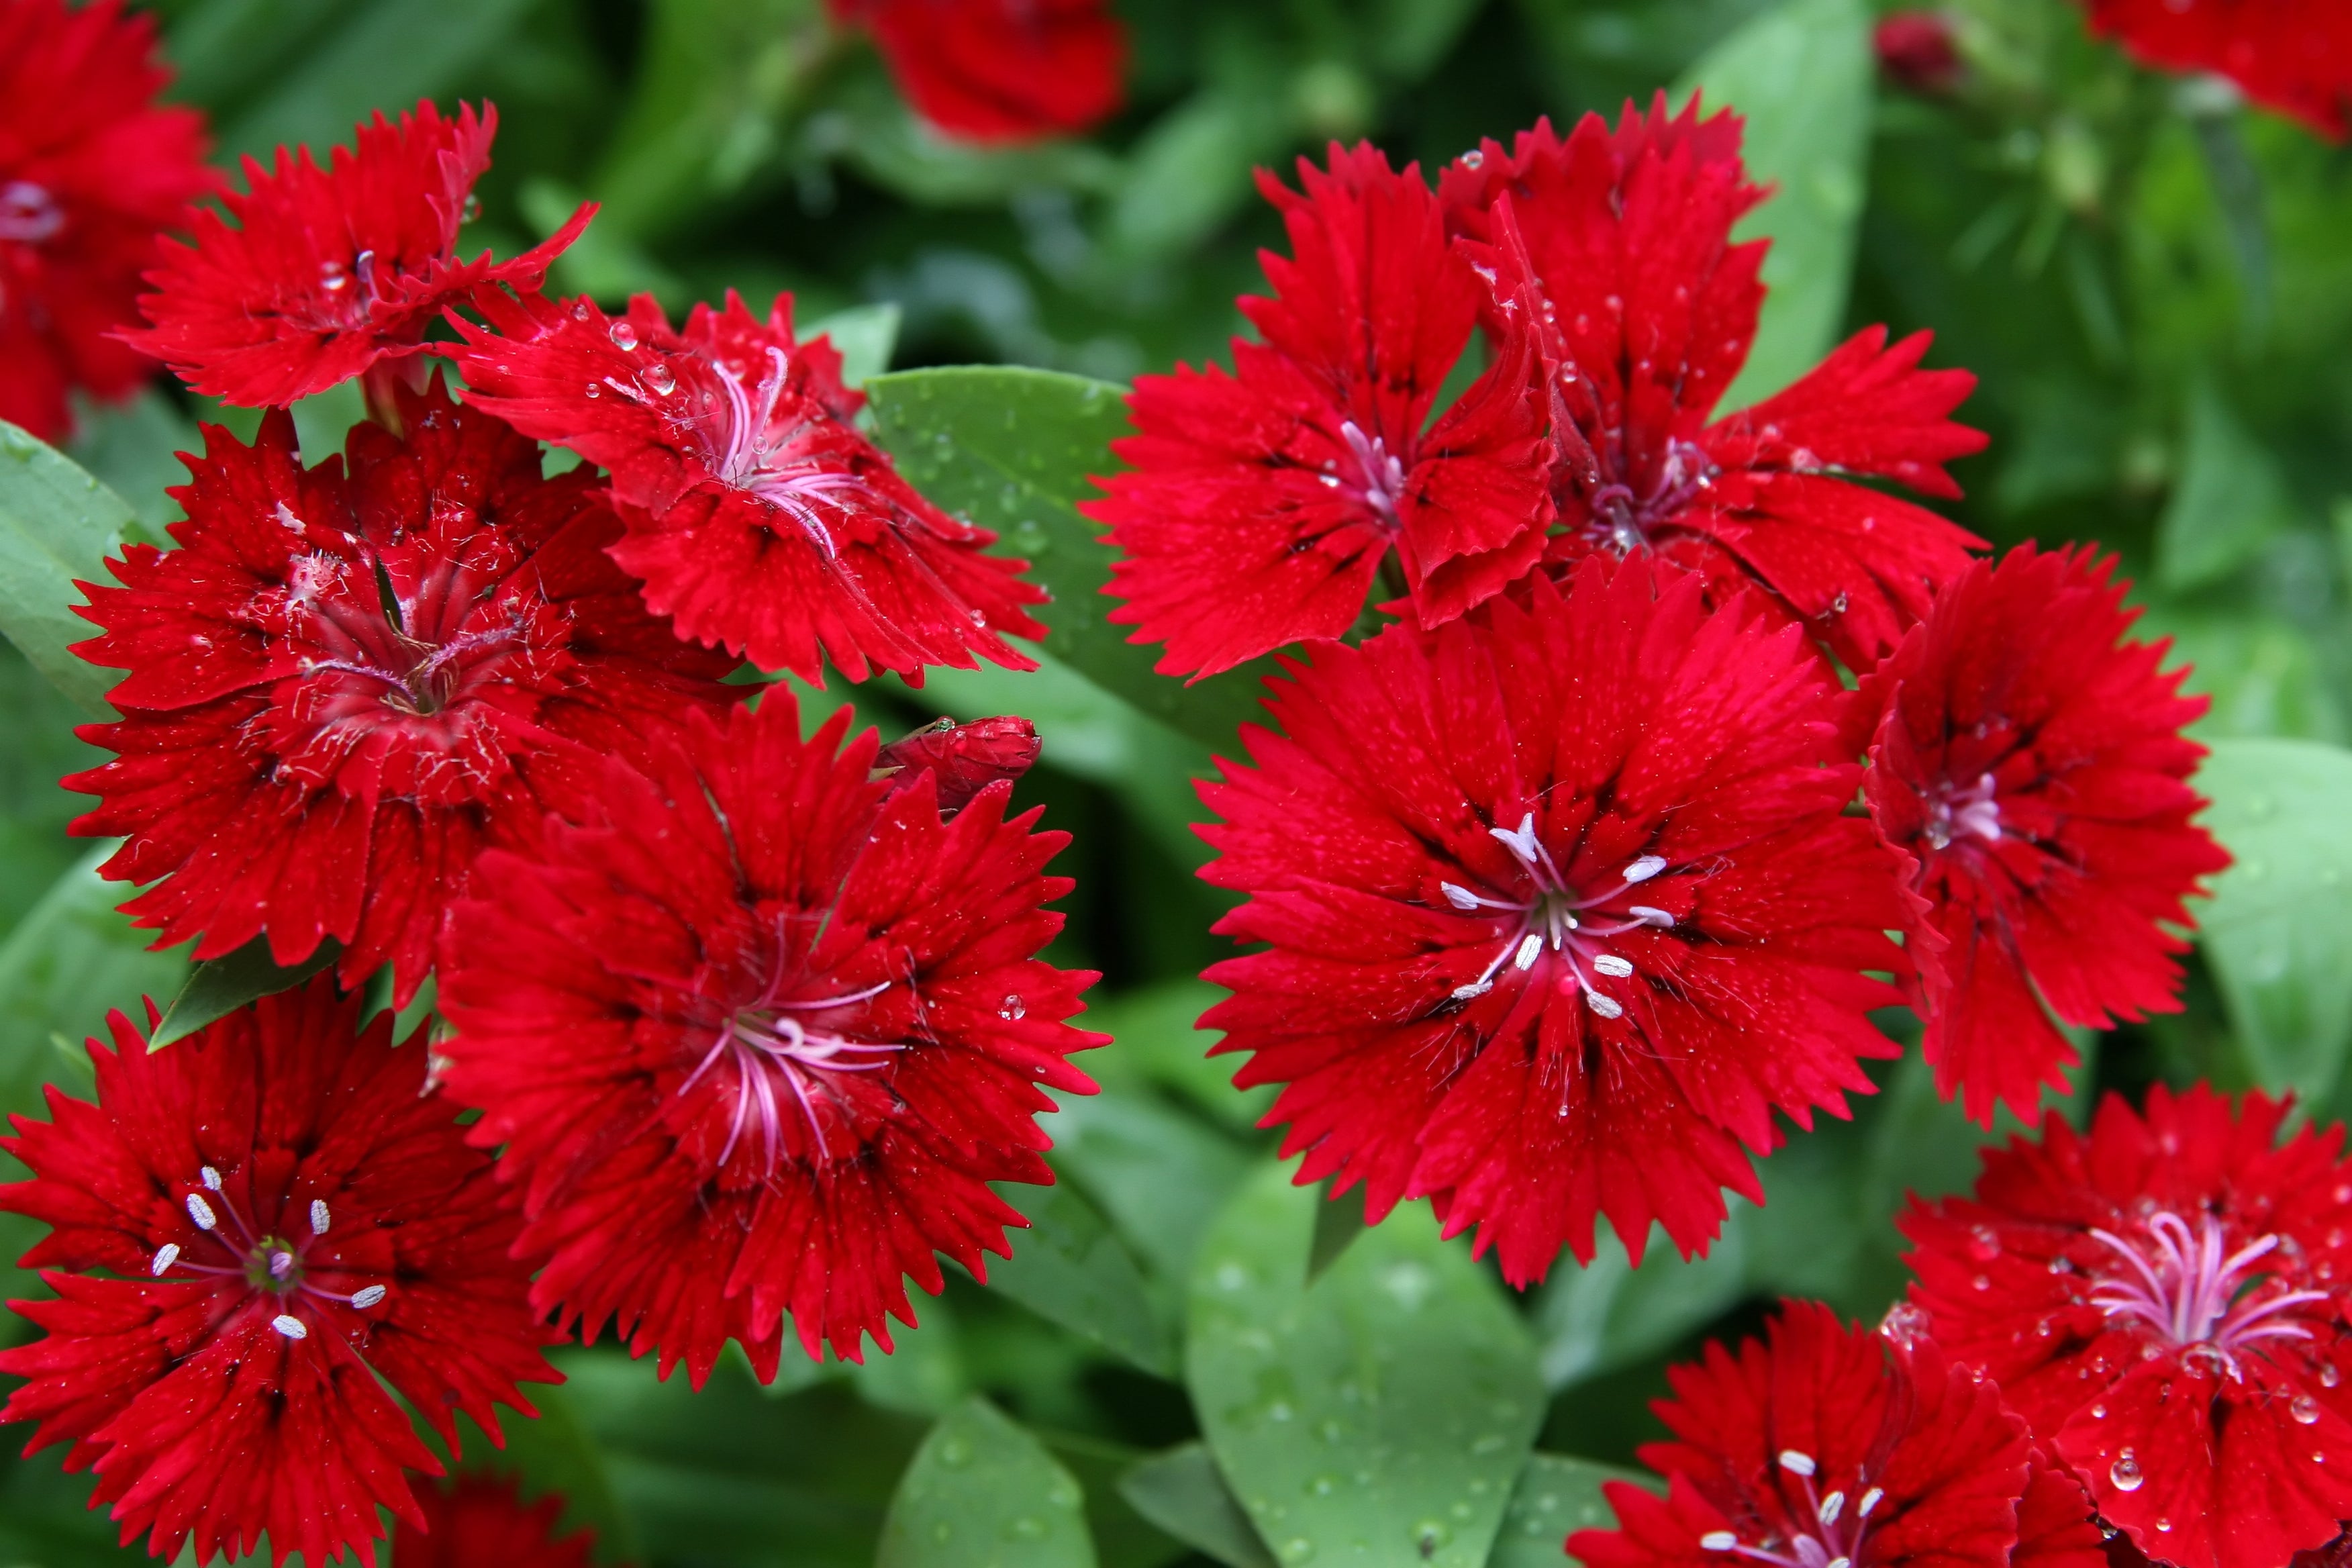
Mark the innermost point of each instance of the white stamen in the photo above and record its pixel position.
(166, 1255)
(1840, 1562)
(202, 1213)
(1610, 964)
(1831, 1506)
(318, 1217)
(1529, 947)
(1459, 898)
(1870, 1499)
(368, 1298)
(1476, 988)
(212, 1178)
(290, 1327)
(1647, 867)
(1649, 916)
(1607, 1006)
(1521, 840)
(1796, 1463)
(1717, 1540)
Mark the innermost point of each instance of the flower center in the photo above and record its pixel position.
(1556, 917)
(1379, 483)
(775, 1055)
(772, 458)
(2183, 1287)
(1624, 510)
(1954, 813)
(267, 1263)
(346, 296)
(1832, 1538)
(28, 214)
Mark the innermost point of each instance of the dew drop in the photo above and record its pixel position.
(625, 336)
(2328, 1377)
(2125, 1473)
(1982, 1282)
(659, 380)
(579, 309)
(2304, 1408)
(2164, 1526)
(1984, 1244)
(1013, 1007)
(594, 390)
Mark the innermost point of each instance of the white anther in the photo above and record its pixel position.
(1840, 1562)
(1459, 898)
(1610, 964)
(166, 1255)
(1650, 917)
(1530, 946)
(211, 1176)
(368, 1298)
(1717, 1540)
(1476, 988)
(1831, 1506)
(318, 1217)
(1647, 867)
(1607, 1006)
(202, 1213)
(1521, 840)
(1870, 1499)
(290, 1327)
(1796, 1463)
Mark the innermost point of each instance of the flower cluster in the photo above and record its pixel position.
(1561, 896)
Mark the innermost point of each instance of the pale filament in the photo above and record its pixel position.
(1627, 517)
(2186, 1290)
(748, 458)
(1835, 1537)
(1551, 919)
(1382, 484)
(1972, 811)
(281, 1262)
(766, 1049)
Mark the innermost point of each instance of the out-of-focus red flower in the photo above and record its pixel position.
(90, 168)
(1648, 312)
(1000, 71)
(481, 1521)
(328, 270)
(254, 1231)
(1258, 507)
(2031, 763)
(758, 515)
(2292, 56)
(2164, 1302)
(757, 1037)
(962, 759)
(1916, 48)
(1823, 1444)
(343, 685)
(1561, 907)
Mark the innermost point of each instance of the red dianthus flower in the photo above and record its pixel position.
(1649, 312)
(1561, 908)
(1822, 1444)
(252, 1229)
(2030, 762)
(481, 1521)
(2163, 1302)
(90, 167)
(344, 685)
(758, 515)
(757, 1037)
(329, 271)
(2292, 56)
(1258, 507)
(1000, 71)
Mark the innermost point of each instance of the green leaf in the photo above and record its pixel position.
(1154, 1027)
(865, 336)
(2231, 499)
(1555, 1497)
(1802, 75)
(57, 525)
(219, 986)
(1180, 1491)
(984, 1493)
(2278, 929)
(1609, 1314)
(1069, 1269)
(133, 450)
(1378, 1416)
(1160, 1175)
(2265, 675)
(1013, 450)
(1338, 1222)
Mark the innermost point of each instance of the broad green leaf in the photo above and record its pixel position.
(1380, 1415)
(984, 1493)
(1555, 1497)
(57, 526)
(1013, 449)
(865, 336)
(1154, 1027)
(133, 449)
(37, 722)
(2278, 929)
(1801, 76)
(1338, 1222)
(1196, 167)
(1180, 1491)
(1408, 36)
(1069, 1267)
(219, 986)
(1124, 1537)
(2230, 498)
(1161, 1177)
(1608, 1314)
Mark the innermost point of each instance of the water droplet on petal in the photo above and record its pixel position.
(2304, 1408)
(625, 336)
(594, 390)
(659, 380)
(579, 310)
(2125, 1473)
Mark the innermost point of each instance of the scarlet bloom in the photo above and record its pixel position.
(2031, 763)
(1000, 71)
(1649, 312)
(328, 270)
(757, 1035)
(2292, 56)
(90, 167)
(481, 1521)
(344, 685)
(1260, 507)
(2163, 1302)
(758, 515)
(962, 759)
(255, 1230)
(1916, 48)
(1561, 908)
(1822, 1444)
